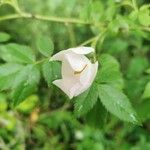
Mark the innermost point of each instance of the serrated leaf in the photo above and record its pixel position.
(51, 71)
(29, 73)
(117, 103)
(45, 46)
(22, 92)
(96, 117)
(109, 71)
(17, 53)
(4, 37)
(8, 72)
(146, 93)
(25, 83)
(85, 101)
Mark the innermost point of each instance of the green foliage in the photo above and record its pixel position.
(109, 71)
(146, 93)
(3, 103)
(4, 37)
(17, 53)
(136, 67)
(85, 102)
(8, 72)
(51, 71)
(144, 15)
(143, 110)
(21, 92)
(117, 103)
(43, 119)
(45, 46)
(25, 83)
(96, 117)
(28, 104)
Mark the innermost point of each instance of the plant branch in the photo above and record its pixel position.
(45, 18)
(88, 41)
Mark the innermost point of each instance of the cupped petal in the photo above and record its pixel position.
(64, 87)
(59, 56)
(76, 61)
(85, 75)
(82, 50)
(69, 86)
(66, 70)
(87, 78)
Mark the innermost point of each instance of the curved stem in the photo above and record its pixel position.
(46, 18)
(88, 41)
(9, 17)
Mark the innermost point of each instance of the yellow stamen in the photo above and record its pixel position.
(79, 72)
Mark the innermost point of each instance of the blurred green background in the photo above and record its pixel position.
(45, 120)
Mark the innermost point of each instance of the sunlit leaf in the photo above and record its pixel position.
(45, 46)
(117, 103)
(17, 53)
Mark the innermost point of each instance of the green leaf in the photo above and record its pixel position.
(4, 37)
(45, 46)
(51, 71)
(136, 67)
(135, 87)
(25, 83)
(143, 109)
(17, 53)
(85, 101)
(3, 103)
(29, 74)
(146, 93)
(96, 117)
(117, 103)
(109, 71)
(144, 15)
(116, 46)
(148, 70)
(8, 72)
(54, 119)
(22, 92)
(28, 105)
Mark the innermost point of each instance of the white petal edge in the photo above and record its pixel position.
(59, 56)
(60, 84)
(68, 88)
(82, 50)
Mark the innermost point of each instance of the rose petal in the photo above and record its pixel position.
(82, 50)
(76, 61)
(59, 56)
(87, 79)
(68, 86)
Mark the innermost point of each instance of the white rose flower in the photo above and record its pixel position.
(78, 73)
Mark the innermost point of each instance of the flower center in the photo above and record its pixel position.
(79, 72)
